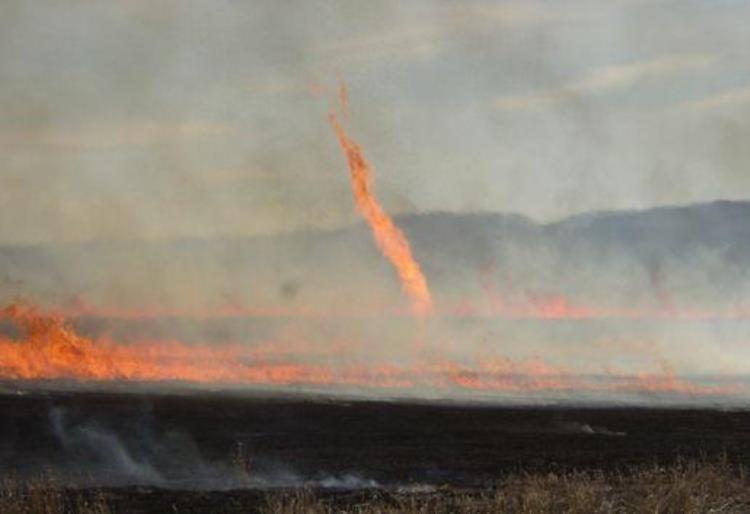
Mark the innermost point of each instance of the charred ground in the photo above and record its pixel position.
(180, 440)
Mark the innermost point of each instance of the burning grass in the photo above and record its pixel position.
(46, 346)
(685, 487)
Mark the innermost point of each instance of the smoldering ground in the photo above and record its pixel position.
(221, 441)
(88, 444)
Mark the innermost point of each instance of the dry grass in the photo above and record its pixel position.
(46, 496)
(684, 488)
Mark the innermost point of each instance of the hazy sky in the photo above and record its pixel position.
(171, 118)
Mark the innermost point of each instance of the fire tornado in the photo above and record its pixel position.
(389, 238)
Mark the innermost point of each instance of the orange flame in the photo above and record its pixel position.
(49, 349)
(389, 238)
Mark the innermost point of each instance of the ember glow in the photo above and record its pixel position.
(389, 238)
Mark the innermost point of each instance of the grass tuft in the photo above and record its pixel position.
(686, 487)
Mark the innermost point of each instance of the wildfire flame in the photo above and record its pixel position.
(389, 238)
(48, 348)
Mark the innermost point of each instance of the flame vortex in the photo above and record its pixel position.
(390, 239)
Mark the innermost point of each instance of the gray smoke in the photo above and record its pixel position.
(177, 157)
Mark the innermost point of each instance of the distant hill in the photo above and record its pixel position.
(697, 253)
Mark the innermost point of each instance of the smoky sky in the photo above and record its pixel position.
(205, 118)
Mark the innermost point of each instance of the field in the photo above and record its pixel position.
(221, 452)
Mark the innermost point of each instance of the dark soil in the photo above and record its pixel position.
(182, 449)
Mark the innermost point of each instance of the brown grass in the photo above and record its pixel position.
(45, 495)
(684, 488)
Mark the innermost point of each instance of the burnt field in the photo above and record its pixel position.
(147, 449)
